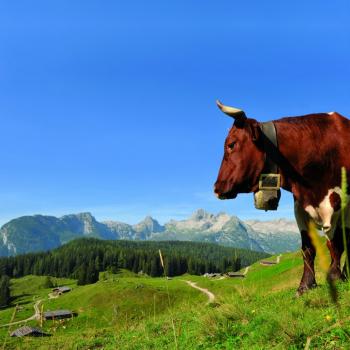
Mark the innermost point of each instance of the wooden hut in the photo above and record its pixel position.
(235, 275)
(61, 290)
(58, 314)
(268, 263)
(31, 331)
(212, 275)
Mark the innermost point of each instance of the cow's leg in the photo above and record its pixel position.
(347, 237)
(344, 274)
(336, 248)
(308, 280)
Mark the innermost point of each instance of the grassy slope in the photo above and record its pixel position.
(131, 312)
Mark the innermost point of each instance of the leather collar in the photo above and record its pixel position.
(270, 145)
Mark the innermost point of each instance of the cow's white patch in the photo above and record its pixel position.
(301, 217)
(323, 215)
(330, 113)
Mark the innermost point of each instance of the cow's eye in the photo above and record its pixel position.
(231, 145)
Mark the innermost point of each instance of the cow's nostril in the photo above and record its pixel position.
(326, 228)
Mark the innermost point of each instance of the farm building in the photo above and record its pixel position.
(58, 314)
(212, 275)
(61, 290)
(26, 330)
(235, 274)
(268, 263)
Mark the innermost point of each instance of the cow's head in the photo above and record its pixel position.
(243, 160)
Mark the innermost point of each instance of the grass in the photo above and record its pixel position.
(126, 311)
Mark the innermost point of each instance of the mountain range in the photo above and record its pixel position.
(39, 233)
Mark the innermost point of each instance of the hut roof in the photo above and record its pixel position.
(268, 263)
(62, 289)
(235, 274)
(58, 314)
(26, 330)
(211, 275)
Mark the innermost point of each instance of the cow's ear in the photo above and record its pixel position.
(254, 130)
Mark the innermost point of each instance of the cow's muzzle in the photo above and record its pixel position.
(226, 195)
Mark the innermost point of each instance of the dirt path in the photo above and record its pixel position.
(210, 295)
(270, 263)
(221, 278)
(36, 315)
(246, 270)
(53, 296)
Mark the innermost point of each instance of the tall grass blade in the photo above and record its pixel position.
(321, 251)
(344, 203)
(161, 260)
(319, 246)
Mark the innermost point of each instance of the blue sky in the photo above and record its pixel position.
(109, 106)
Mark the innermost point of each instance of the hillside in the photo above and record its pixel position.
(38, 233)
(127, 311)
(84, 258)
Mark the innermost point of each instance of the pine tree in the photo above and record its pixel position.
(191, 266)
(82, 276)
(135, 265)
(48, 282)
(238, 264)
(97, 263)
(91, 274)
(155, 269)
(4, 290)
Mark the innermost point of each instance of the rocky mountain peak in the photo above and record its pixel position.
(201, 214)
(80, 216)
(148, 225)
(85, 216)
(83, 223)
(274, 225)
(149, 219)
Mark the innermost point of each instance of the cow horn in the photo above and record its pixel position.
(231, 111)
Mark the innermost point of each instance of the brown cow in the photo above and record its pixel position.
(311, 151)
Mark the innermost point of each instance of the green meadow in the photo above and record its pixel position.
(126, 311)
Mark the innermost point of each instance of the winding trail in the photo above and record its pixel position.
(53, 296)
(221, 278)
(36, 315)
(209, 294)
(270, 263)
(246, 270)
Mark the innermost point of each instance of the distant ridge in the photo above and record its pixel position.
(38, 232)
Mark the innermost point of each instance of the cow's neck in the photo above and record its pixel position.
(307, 170)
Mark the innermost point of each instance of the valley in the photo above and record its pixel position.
(127, 311)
